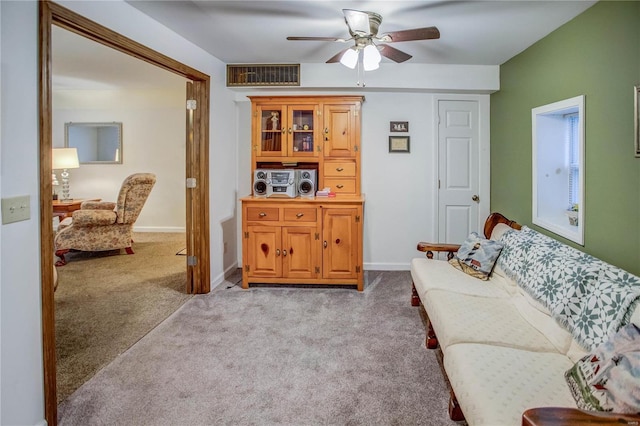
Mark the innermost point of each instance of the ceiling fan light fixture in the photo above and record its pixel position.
(350, 58)
(371, 58)
(357, 21)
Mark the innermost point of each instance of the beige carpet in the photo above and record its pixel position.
(107, 301)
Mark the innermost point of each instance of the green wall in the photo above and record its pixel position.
(597, 54)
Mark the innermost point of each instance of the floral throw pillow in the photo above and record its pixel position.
(477, 256)
(609, 378)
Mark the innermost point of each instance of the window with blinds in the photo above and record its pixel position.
(558, 168)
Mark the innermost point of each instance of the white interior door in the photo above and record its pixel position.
(458, 169)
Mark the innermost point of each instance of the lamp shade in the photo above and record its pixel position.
(349, 58)
(371, 58)
(65, 158)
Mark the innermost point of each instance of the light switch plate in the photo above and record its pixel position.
(15, 209)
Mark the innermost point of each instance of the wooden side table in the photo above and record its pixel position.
(65, 209)
(560, 416)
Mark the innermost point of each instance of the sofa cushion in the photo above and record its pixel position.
(429, 274)
(497, 233)
(609, 378)
(461, 318)
(476, 256)
(499, 230)
(540, 318)
(495, 385)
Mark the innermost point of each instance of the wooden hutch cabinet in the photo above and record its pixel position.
(310, 240)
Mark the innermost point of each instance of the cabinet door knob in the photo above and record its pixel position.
(277, 252)
(324, 244)
(299, 215)
(284, 253)
(339, 169)
(290, 131)
(262, 214)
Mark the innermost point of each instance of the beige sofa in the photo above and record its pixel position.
(502, 350)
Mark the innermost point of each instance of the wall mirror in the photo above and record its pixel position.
(558, 167)
(97, 143)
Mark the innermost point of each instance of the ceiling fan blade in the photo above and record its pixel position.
(317, 39)
(357, 21)
(427, 33)
(336, 58)
(393, 53)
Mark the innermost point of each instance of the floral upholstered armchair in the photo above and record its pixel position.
(100, 226)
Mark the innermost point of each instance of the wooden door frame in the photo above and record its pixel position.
(197, 166)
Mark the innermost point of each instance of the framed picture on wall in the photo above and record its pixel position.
(398, 143)
(399, 126)
(636, 119)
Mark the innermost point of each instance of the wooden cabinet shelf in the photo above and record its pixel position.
(306, 240)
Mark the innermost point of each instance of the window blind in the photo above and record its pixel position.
(573, 125)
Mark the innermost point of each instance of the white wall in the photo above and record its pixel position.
(153, 135)
(21, 381)
(400, 189)
(20, 334)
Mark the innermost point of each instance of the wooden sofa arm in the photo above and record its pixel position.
(431, 247)
(561, 416)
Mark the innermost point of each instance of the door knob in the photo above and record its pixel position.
(475, 198)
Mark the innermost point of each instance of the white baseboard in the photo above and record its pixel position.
(387, 266)
(219, 279)
(168, 229)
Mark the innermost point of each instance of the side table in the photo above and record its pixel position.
(65, 209)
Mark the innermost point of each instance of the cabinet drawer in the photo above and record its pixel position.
(302, 214)
(340, 168)
(341, 186)
(263, 214)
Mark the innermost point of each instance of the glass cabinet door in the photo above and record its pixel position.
(302, 128)
(272, 131)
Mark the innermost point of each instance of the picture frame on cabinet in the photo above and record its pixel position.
(399, 126)
(636, 119)
(399, 144)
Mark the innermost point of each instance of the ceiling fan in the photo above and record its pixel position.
(363, 28)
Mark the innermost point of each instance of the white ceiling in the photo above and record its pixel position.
(473, 32)
(79, 64)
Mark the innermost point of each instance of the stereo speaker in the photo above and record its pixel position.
(260, 183)
(307, 183)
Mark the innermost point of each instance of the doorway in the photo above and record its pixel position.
(197, 167)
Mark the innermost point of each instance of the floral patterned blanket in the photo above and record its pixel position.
(589, 297)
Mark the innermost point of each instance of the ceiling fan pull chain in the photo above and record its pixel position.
(360, 75)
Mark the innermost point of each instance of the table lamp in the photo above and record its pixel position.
(65, 158)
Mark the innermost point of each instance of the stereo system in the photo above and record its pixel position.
(287, 183)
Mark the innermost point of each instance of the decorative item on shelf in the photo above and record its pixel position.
(65, 159)
(274, 120)
(325, 192)
(572, 214)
